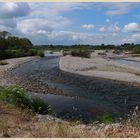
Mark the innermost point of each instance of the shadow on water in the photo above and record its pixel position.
(96, 95)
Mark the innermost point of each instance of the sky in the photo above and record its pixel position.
(72, 23)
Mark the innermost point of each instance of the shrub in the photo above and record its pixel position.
(136, 50)
(14, 95)
(81, 53)
(105, 118)
(17, 96)
(117, 52)
(40, 107)
(41, 53)
(32, 52)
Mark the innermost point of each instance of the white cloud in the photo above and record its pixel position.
(50, 22)
(131, 27)
(119, 8)
(114, 28)
(102, 29)
(67, 37)
(34, 26)
(88, 26)
(12, 10)
(133, 38)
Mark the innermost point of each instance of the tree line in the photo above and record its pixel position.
(12, 46)
(7, 41)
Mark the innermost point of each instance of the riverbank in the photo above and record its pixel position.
(102, 67)
(11, 64)
(16, 122)
(22, 123)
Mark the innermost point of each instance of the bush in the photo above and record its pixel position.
(32, 52)
(6, 54)
(105, 118)
(118, 52)
(81, 53)
(41, 53)
(17, 96)
(136, 50)
(40, 107)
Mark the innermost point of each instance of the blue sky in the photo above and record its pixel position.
(72, 23)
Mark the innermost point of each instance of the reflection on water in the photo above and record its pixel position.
(101, 94)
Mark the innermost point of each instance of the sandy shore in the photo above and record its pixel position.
(98, 66)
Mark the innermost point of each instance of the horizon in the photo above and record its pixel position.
(73, 23)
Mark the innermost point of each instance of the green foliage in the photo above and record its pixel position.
(40, 107)
(4, 34)
(40, 53)
(136, 50)
(14, 95)
(81, 53)
(13, 47)
(32, 52)
(17, 96)
(105, 118)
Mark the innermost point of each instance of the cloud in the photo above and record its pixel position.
(114, 29)
(34, 26)
(132, 27)
(68, 37)
(8, 23)
(54, 23)
(133, 38)
(119, 8)
(12, 10)
(102, 29)
(88, 26)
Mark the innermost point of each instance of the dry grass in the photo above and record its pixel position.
(15, 122)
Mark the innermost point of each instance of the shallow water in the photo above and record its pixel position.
(96, 95)
(128, 62)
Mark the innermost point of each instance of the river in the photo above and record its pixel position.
(95, 95)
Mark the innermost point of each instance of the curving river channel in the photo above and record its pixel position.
(96, 95)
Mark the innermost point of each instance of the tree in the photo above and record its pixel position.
(25, 43)
(4, 34)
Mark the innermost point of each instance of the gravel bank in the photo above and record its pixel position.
(5, 70)
(100, 67)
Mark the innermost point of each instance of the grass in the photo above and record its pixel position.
(106, 118)
(17, 122)
(15, 95)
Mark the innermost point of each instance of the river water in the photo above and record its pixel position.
(96, 95)
(129, 63)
